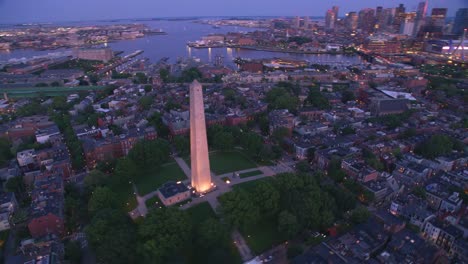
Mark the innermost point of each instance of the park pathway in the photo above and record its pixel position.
(212, 197)
(183, 165)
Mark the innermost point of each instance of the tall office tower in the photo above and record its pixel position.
(352, 21)
(335, 10)
(306, 22)
(201, 174)
(408, 24)
(420, 17)
(438, 16)
(399, 16)
(297, 22)
(366, 20)
(379, 17)
(435, 25)
(330, 19)
(461, 21)
(387, 17)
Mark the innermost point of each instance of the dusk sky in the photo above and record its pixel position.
(24, 11)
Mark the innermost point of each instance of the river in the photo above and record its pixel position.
(173, 45)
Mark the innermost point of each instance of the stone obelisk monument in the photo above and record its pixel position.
(201, 174)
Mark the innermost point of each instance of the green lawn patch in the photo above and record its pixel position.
(262, 236)
(183, 203)
(154, 202)
(251, 184)
(201, 212)
(153, 179)
(250, 174)
(130, 199)
(222, 162)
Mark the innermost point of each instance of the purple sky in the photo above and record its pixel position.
(23, 11)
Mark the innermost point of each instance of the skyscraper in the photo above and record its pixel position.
(366, 20)
(399, 16)
(461, 21)
(435, 27)
(335, 10)
(352, 21)
(438, 16)
(330, 19)
(408, 24)
(297, 22)
(421, 13)
(201, 173)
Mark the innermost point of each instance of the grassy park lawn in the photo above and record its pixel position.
(251, 184)
(126, 195)
(222, 162)
(250, 174)
(153, 179)
(153, 202)
(262, 236)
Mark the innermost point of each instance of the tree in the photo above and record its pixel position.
(303, 166)
(95, 178)
(239, 209)
(344, 199)
(279, 134)
(334, 170)
(348, 130)
(252, 142)
(164, 74)
(112, 237)
(266, 197)
(5, 152)
(211, 233)
(73, 252)
(60, 103)
(316, 99)
(191, 74)
(126, 170)
(148, 88)
(280, 98)
(141, 78)
(16, 185)
(182, 145)
(420, 192)
(150, 154)
(360, 215)
(145, 102)
(156, 121)
(347, 96)
(435, 146)
(223, 140)
(287, 224)
(164, 232)
(102, 198)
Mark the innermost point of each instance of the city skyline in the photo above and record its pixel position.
(87, 10)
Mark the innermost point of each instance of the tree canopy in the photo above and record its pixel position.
(164, 232)
(112, 235)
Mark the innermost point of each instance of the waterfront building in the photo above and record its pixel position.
(104, 54)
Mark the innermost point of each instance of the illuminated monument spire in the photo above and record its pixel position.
(201, 174)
